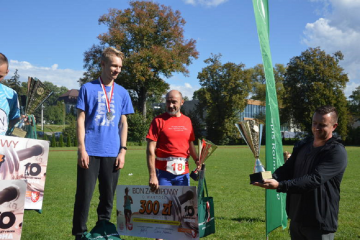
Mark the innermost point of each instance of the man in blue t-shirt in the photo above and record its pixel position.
(102, 135)
(9, 104)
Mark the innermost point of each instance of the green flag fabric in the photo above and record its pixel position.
(275, 202)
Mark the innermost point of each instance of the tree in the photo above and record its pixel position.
(224, 88)
(314, 79)
(138, 127)
(55, 114)
(259, 82)
(196, 122)
(152, 39)
(68, 141)
(70, 131)
(354, 102)
(61, 141)
(75, 141)
(14, 82)
(53, 141)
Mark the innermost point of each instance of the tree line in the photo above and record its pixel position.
(151, 36)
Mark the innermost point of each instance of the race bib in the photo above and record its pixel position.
(176, 167)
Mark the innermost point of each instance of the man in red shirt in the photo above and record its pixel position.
(169, 145)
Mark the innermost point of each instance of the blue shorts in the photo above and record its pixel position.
(168, 179)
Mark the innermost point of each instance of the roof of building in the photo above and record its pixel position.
(73, 93)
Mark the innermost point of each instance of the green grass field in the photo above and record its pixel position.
(239, 207)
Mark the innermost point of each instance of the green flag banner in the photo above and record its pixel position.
(275, 202)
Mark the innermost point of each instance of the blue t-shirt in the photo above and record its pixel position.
(102, 136)
(9, 107)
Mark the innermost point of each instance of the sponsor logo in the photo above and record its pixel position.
(130, 226)
(35, 196)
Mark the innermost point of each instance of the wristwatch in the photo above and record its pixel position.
(123, 147)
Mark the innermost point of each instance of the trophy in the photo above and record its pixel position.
(206, 148)
(37, 94)
(251, 132)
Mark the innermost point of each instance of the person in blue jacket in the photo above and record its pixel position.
(311, 178)
(102, 130)
(9, 104)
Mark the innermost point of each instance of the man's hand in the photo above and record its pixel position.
(153, 183)
(120, 160)
(268, 184)
(198, 165)
(83, 159)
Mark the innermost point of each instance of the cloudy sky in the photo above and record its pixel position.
(47, 39)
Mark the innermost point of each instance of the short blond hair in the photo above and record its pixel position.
(110, 51)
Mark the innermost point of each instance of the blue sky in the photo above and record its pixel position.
(47, 39)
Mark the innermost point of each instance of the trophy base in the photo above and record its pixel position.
(18, 132)
(194, 175)
(260, 176)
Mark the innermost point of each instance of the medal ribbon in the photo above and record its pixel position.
(108, 101)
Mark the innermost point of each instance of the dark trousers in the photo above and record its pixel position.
(299, 232)
(102, 168)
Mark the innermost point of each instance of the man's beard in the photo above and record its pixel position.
(173, 113)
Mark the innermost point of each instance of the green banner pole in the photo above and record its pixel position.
(275, 202)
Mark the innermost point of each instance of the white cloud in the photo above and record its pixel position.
(338, 29)
(186, 89)
(207, 3)
(60, 77)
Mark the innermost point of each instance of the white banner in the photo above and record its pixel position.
(12, 199)
(169, 213)
(26, 159)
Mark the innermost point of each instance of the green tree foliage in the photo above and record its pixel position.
(259, 82)
(197, 123)
(61, 141)
(57, 92)
(68, 141)
(70, 131)
(45, 137)
(354, 102)
(315, 79)
(152, 38)
(14, 82)
(138, 127)
(353, 137)
(75, 142)
(224, 88)
(53, 141)
(55, 114)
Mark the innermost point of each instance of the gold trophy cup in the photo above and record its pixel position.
(251, 132)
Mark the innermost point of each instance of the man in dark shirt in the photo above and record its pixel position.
(311, 178)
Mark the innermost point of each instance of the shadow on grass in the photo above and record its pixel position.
(242, 219)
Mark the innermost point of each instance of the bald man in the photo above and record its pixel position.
(9, 104)
(169, 145)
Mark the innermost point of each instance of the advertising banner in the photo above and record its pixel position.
(12, 199)
(275, 202)
(26, 159)
(170, 212)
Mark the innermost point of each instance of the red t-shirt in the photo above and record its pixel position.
(172, 136)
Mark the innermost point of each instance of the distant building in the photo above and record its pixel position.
(70, 99)
(253, 109)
